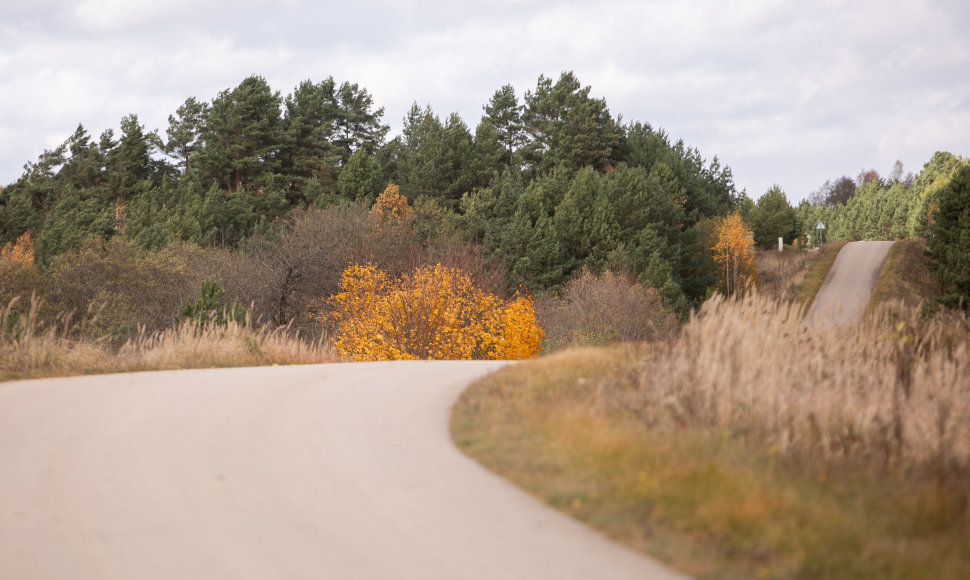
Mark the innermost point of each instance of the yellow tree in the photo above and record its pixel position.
(734, 253)
(433, 313)
(21, 252)
(391, 207)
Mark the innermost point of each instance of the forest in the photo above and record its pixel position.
(266, 199)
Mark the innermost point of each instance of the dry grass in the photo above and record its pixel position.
(750, 446)
(780, 274)
(905, 281)
(879, 393)
(30, 348)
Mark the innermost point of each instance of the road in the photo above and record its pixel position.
(844, 295)
(341, 471)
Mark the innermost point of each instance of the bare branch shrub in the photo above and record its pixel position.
(602, 309)
(284, 276)
(470, 259)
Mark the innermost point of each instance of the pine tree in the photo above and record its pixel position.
(185, 133)
(504, 113)
(773, 218)
(566, 126)
(243, 136)
(949, 241)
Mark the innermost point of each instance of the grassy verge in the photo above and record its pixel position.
(905, 280)
(30, 349)
(749, 447)
(818, 270)
(780, 274)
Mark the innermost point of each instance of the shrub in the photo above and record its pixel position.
(603, 309)
(113, 288)
(19, 277)
(20, 252)
(433, 313)
(209, 307)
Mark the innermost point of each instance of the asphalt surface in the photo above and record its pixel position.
(844, 295)
(331, 471)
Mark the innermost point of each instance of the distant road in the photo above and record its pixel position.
(342, 471)
(844, 295)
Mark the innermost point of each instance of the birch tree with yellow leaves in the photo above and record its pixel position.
(734, 254)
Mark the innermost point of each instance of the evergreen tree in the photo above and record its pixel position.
(309, 125)
(243, 136)
(17, 213)
(772, 218)
(565, 126)
(487, 154)
(185, 133)
(85, 164)
(504, 114)
(71, 220)
(949, 241)
(357, 125)
(459, 177)
(325, 125)
(130, 163)
(422, 164)
(362, 178)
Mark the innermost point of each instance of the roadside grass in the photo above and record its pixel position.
(817, 272)
(30, 348)
(780, 274)
(905, 281)
(750, 446)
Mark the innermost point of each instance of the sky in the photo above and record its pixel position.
(791, 93)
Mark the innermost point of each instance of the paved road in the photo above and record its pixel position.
(844, 295)
(330, 471)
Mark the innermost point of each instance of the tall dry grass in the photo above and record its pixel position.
(780, 274)
(886, 394)
(34, 346)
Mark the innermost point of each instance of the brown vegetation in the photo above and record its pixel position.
(905, 281)
(781, 274)
(32, 346)
(597, 310)
(751, 446)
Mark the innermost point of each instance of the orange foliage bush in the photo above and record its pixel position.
(434, 313)
(734, 253)
(22, 252)
(391, 207)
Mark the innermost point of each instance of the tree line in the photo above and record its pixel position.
(546, 183)
(933, 204)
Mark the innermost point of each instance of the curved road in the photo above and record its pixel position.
(845, 293)
(341, 471)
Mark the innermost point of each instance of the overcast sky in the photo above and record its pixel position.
(792, 93)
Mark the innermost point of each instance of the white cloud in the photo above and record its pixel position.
(782, 91)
